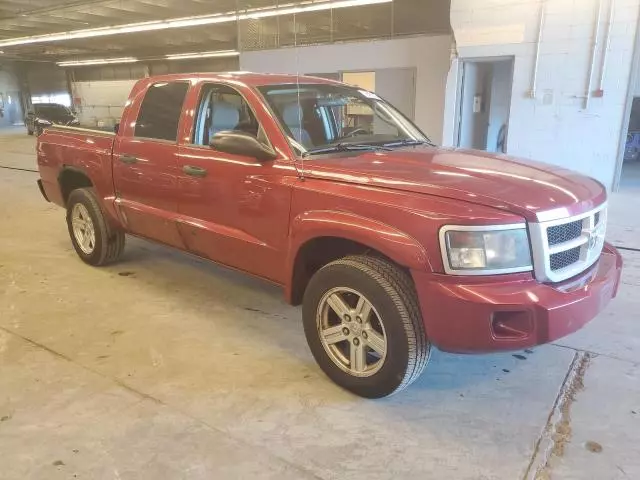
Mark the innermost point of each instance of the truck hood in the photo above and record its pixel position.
(519, 186)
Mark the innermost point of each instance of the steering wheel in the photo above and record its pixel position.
(353, 133)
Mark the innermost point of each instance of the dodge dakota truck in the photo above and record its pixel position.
(391, 244)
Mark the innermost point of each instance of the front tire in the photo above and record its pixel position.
(93, 240)
(29, 131)
(364, 327)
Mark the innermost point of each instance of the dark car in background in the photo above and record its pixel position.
(42, 115)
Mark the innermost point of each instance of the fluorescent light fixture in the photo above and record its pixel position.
(255, 13)
(97, 61)
(220, 53)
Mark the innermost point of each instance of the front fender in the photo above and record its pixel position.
(391, 242)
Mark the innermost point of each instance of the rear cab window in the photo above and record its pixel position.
(160, 111)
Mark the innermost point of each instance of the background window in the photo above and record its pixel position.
(160, 112)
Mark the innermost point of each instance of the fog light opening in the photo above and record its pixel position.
(511, 325)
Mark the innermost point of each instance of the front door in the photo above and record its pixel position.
(233, 209)
(145, 167)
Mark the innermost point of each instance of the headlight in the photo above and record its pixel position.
(42, 121)
(485, 250)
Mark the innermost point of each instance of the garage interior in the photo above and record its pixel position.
(167, 366)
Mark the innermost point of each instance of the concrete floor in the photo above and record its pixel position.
(164, 366)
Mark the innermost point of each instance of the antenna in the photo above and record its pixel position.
(295, 45)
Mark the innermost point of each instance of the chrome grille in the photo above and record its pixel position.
(561, 260)
(564, 233)
(564, 247)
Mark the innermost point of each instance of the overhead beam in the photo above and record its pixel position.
(54, 8)
(182, 22)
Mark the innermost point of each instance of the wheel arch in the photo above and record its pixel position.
(320, 237)
(71, 178)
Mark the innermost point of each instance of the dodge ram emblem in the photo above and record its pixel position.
(594, 237)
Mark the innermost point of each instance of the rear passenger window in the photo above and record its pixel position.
(160, 111)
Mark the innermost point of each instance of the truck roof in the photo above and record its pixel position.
(248, 78)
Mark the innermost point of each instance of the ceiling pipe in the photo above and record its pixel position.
(594, 51)
(607, 46)
(534, 77)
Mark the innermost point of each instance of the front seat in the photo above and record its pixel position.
(225, 116)
(292, 116)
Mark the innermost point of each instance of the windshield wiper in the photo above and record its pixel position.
(409, 142)
(345, 147)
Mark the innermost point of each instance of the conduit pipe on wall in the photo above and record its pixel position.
(534, 77)
(607, 46)
(594, 50)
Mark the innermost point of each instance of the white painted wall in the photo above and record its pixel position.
(398, 87)
(429, 55)
(554, 127)
(102, 102)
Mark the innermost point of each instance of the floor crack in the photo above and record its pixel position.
(596, 354)
(557, 431)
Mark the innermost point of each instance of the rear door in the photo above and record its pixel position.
(233, 209)
(145, 168)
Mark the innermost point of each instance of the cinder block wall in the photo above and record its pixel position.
(554, 126)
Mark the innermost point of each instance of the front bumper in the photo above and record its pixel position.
(490, 315)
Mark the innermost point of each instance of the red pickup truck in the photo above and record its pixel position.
(390, 243)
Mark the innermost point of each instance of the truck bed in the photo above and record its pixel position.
(63, 148)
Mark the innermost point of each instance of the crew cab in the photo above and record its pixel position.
(391, 244)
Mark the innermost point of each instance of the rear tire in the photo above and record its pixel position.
(95, 242)
(390, 332)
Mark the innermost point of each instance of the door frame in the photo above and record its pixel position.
(634, 77)
(460, 84)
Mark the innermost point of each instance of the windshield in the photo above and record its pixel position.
(322, 117)
(51, 110)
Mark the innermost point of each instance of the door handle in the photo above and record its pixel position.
(194, 171)
(128, 159)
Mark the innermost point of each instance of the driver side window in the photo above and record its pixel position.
(222, 108)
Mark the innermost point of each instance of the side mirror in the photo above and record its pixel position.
(241, 143)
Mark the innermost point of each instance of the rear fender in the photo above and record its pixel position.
(94, 174)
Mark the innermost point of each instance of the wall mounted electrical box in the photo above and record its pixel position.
(477, 104)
